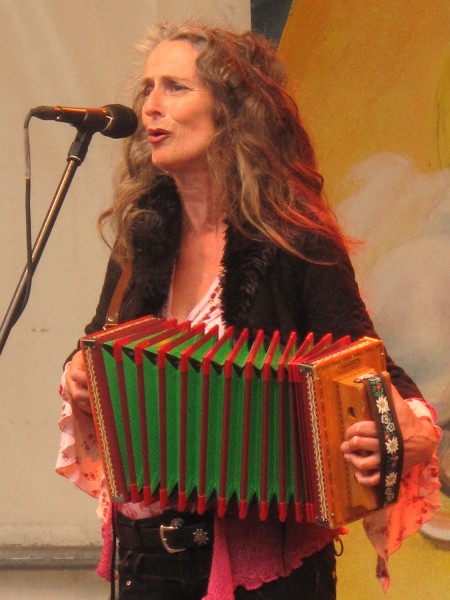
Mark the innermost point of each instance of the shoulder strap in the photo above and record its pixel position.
(112, 314)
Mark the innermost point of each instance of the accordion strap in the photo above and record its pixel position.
(391, 442)
(112, 314)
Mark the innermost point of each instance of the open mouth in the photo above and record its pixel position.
(157, 135)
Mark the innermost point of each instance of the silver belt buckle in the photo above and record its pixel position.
(175, 524)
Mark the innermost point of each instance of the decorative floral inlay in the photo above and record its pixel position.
(390, 435)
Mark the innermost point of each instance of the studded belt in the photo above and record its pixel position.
(172, 532)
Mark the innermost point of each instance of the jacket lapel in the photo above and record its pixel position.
(245, 263)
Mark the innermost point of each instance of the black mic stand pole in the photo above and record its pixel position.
(75, 157)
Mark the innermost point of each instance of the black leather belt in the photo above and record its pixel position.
(174, 533)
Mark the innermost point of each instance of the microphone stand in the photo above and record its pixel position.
(75, 157)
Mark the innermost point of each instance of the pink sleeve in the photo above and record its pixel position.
(418, 500)
(79, 457)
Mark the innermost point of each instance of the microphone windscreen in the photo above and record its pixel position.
(124, 121)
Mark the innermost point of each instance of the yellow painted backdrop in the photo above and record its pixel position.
(372, 80)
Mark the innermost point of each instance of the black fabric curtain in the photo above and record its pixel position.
(269, 17)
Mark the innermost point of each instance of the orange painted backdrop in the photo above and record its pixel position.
(372, 80)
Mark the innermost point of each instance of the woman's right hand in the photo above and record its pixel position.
(76, 382)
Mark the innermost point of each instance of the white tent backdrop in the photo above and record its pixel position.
(72, 54)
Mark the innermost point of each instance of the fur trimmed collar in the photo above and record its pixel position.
(156, 237)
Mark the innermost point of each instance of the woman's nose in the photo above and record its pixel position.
(153, 103)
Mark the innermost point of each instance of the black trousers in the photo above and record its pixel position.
(154, 574)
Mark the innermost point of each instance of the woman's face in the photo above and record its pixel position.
(177, 110)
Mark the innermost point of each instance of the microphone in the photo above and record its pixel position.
(113, 120)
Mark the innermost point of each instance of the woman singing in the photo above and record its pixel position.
(219, 211)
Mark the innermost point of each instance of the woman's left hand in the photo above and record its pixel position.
(361, 447)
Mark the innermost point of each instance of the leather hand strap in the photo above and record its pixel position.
(112, 314)
(391, 442)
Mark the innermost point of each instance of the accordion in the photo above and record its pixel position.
(191, 417)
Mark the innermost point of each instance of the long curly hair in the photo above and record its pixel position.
(261, 158)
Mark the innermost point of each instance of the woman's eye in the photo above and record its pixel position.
(176, 87)
(147, 90)
(172, 87)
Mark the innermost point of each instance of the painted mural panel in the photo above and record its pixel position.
(372, 80)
